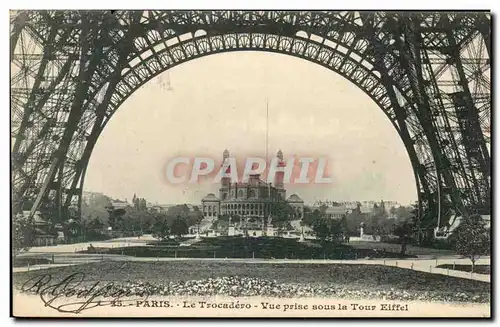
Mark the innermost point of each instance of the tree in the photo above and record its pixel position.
(472, 238)
(161, 229)
(321, 229)
(194, 218)
(92, 228)
(136, 202)
(336, 230)
(236, 218)
(392, 212)
(95, 206)
(73, 228)
(322, 209)
(115, 217)
(214, 226)
(404, 232)
(132, 220)
(143, 205)
(404, 213)
(384, 227)
(283, 213)
(354, 220)
(179, 227)
(358, 208)
(22, 233)
(377, 220)
(181, 210)
(223, 217)
(328, 230)
(95, 224)
(344, 228)
(147, 221)
(310, 217)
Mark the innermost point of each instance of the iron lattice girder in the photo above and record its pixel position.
(136, 45)
(470, 160)
(407, 72)
(389, 71)
(452, 155)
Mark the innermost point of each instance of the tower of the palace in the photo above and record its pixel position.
(226, 177)
(280, 175)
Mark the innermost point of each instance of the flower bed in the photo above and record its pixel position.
(275, 280)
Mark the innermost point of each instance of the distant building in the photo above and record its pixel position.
(297, 204)
(337, 212)
(160, 208)
(88, 196)
(256, 198)
(119, 204)
(364, 206)
(210, 205)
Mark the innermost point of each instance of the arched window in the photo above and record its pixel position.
(240, 193)
(251, 193)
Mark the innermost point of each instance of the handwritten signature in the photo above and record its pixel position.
(97, 295)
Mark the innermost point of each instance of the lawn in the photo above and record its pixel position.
(23, 262)
(278, 280)
(260, 247)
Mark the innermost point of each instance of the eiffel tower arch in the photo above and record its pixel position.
(428, 72)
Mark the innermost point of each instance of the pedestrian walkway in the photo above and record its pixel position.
(114, 243)
(429, 266)
(42, 267)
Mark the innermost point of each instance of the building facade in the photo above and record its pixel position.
(337, 212)
(255, 198)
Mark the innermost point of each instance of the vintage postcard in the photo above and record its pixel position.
(250, 163)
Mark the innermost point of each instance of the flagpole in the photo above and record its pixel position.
(267, 119)
(267, 129)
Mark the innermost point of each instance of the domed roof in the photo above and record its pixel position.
(210, 197)
(295, 198)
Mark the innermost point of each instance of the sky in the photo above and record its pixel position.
(219, 102)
